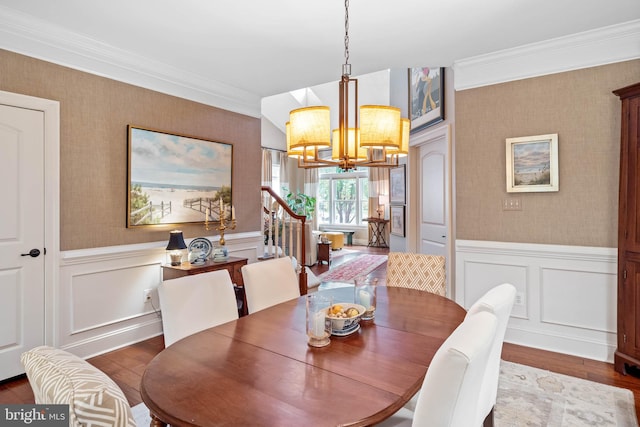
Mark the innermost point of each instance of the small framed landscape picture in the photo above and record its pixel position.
(397, 186)
(397, 221)
(532, 163)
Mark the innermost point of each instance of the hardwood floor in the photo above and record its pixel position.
(127, 364)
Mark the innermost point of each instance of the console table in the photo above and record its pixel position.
(232, 264)
(377, 228)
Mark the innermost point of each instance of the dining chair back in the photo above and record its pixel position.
(449, 396)
(417, 271)
(269, 282)
(498, 301)
(58, 377)
(190, 304)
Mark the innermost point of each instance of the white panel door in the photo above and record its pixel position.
(433, 182)
(22, 289)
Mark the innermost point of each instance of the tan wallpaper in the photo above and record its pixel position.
(95, 112)
(580, 108)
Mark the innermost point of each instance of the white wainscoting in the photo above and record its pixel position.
(566, 295)
(99, 303)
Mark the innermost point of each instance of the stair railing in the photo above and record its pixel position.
(284, 233)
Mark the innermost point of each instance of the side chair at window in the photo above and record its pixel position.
(417, 271)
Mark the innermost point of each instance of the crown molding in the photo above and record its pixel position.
(24, 34)
(607, 45)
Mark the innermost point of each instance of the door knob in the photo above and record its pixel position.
(32, 253)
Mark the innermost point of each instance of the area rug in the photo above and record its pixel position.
(359, 266)
(342, 252)
(141, 415)
(534, 397)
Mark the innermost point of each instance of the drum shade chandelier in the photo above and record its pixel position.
(374, 138)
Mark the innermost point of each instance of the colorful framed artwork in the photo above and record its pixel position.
(397, 221)
(426, 97)
(176, 179)
(532, 163)
(397, 193)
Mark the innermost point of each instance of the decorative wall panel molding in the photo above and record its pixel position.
(100, 304)
(566, 295)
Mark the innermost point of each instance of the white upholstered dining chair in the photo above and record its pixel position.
(269, 282)
(498, 301)
(449, 396)
(190, 304)
(417, 271)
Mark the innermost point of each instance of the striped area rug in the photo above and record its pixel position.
(359, 266)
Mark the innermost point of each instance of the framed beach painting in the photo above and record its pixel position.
(176, 179)
(397, 221)
(532, 163)
(426, 97)
(397, 186)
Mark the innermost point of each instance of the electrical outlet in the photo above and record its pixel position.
(146, 295)
(519, 299)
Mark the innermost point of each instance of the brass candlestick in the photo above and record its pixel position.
(223, 224)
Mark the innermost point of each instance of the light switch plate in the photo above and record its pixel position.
(512, 204)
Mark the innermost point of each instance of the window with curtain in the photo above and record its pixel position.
(275, 179)
(343, 197)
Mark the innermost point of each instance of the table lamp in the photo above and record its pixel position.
(383, 200)
(176, 246)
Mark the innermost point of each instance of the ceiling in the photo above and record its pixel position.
(263, 48)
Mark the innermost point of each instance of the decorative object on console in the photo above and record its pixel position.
(532, 163)
(224, 212)
(220, 254)
(199, 250)
(376, 135)
(176, 246)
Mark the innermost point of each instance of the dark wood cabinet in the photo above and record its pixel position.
(628, 351)
(232, 264)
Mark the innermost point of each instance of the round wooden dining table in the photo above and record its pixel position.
(259, 371)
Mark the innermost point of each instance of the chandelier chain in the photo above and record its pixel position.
(346, 33)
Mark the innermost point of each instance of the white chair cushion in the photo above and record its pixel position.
(270, 282)
(498, 301)
(59, 377)
(190, 304)
(449, 393)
